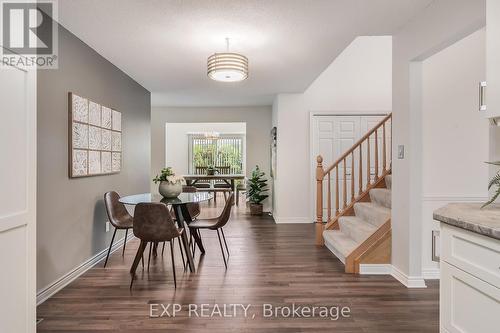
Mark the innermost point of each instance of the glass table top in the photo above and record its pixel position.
(183, 198)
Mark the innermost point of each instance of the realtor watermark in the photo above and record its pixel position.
(236, 310)
(29, 34)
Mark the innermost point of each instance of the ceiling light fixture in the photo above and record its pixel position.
(227, 66)
(212, 135)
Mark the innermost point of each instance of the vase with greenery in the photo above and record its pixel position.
(257, 189)
(170, 184)
(494, 182)
(211, 170)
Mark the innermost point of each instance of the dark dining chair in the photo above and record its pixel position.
(216, 224)
(119, 218)
(153, 224)
(194, 208)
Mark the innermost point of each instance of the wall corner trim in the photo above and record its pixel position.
(49, 291)
(406, 280)
(431, 273)
(388, 269)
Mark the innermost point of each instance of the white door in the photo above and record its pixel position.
(17, 200)
(332, 136)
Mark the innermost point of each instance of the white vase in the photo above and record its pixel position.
(169, 190)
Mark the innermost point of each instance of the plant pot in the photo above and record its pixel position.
(169, 190)
(255, 209)
(210, 172)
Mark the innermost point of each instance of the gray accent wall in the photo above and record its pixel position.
(70, 212)
(258, 120)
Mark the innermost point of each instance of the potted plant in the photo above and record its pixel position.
(170, 184)
(495, 181)
(211, 170)
(257, 187)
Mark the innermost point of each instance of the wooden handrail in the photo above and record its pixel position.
(347, 192)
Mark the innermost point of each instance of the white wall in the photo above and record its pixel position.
(177, 140)
(454, 133)
(441, 24)
(358, 81)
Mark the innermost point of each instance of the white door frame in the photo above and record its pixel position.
(312, 169)
(26, 219)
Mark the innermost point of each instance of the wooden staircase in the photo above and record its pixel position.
(353, 201)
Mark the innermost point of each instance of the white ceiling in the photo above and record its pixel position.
(164, 44)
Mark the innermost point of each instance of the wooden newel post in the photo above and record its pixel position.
(319, 201)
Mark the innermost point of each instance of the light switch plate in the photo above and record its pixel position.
(401, 152)
(107, 226)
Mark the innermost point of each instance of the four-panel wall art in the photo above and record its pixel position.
(95, 138)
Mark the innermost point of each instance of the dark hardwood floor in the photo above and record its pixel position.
(269, 264)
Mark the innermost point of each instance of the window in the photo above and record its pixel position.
(225, 153)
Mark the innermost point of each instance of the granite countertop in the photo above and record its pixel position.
(470, 216)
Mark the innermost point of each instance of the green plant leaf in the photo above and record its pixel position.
(495, 196)
(494, 181)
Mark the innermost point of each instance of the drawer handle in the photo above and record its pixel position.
(482, 94)
(435, 234)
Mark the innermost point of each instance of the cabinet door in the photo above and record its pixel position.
(467, 304)
(492, 58)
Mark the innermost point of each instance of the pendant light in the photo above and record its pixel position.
(227, 66)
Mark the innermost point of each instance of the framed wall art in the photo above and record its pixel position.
(95, 138)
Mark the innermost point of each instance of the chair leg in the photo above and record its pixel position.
(173, 261)
(140, 252)
(150, 248)
(109, 250)
(199, 235)
(225, 243)
(125, 242)
(237, 197)
(222, 249)
(182, 253)
(162, 249)
(192, 242)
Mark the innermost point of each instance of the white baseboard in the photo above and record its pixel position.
(279, 219)
(388, 269)
(408, 281)
(375, 269)
(431, 273)
(49, 291)
(454, 197)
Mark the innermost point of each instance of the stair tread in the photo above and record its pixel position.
(339, 243)
(381, 196)
(356, 228)
(372, 212)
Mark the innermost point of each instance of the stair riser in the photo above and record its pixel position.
(372, 216)
(356, 233)
(383, 198)
(388, 181)
(332, 249)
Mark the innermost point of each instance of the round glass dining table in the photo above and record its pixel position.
(181, 212)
